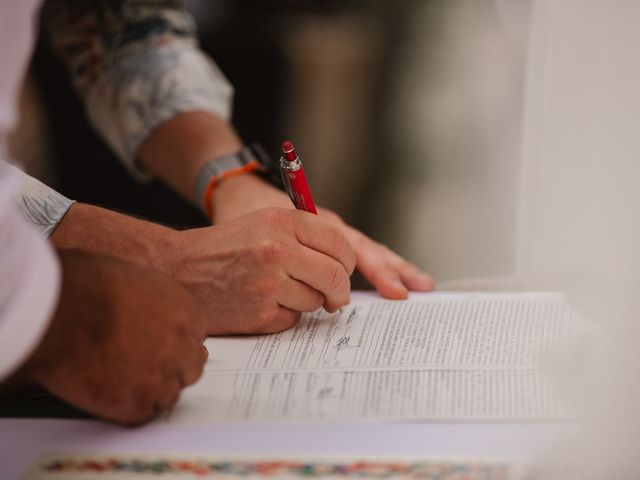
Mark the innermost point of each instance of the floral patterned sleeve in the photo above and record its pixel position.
(136, 64)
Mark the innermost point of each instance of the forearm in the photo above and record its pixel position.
(137, 67)
(177, 149)
(105, 232)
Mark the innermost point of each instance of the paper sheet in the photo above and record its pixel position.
(436, 356)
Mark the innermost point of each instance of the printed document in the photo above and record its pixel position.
(436, 356)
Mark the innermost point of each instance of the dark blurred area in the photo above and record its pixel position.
(407, 116)
(312, 71)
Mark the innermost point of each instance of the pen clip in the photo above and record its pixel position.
(287, 182)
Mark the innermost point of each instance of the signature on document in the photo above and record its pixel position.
(344, 342)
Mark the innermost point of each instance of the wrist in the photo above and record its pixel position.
(231, 189)
(245, 194)
(222, 169)
(104, 232)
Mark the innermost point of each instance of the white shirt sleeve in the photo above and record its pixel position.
(29, 280)
(39, 204)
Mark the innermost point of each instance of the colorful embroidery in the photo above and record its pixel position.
(279, 469)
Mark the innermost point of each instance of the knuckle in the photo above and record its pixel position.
(204, 355)
(276, 321)
(267, 287)
(264, 322)
(203, 358)
(167, 399)
(339, 243)
(318, 301)
(172, 398)
(286, 320)
(268, 250)
(129, 420)
(194, 372)
(343, 246)
(137, 414)
(337, 278)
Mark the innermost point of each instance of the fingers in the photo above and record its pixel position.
(300, 297)
(414, 278)
(196, 356)
(283, 319)
(199, 326)
(323, 274)
(168, 397)
(373, 262)
(286, 319)
(386, 281)
(176, 378)
(145, 402)
(325, 237)
(390, 274)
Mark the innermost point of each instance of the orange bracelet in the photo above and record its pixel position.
(208, 193)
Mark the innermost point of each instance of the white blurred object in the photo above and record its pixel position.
(580, 202)
(457, 128)
(545, 195)
(20, 37)
(30, 274)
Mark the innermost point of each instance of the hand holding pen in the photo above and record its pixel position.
(389, 273)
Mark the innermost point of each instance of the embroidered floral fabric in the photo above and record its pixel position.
(135, 64)
(230, 469)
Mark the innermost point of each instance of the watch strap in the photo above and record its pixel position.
(215, 171)
(218, 166)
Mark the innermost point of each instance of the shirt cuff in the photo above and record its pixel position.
(40, 205)
(31, 282)
(142, 91)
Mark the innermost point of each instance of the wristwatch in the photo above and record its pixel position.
(249, 159)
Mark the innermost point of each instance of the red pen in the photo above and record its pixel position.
(295, 180)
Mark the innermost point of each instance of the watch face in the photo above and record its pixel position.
(259, 153)
(269, 168)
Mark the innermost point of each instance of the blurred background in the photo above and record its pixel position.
(478, 138)
(407, 115)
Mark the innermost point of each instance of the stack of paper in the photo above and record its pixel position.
(453, 356)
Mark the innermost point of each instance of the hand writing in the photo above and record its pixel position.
(391, 275)
(257, 273)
